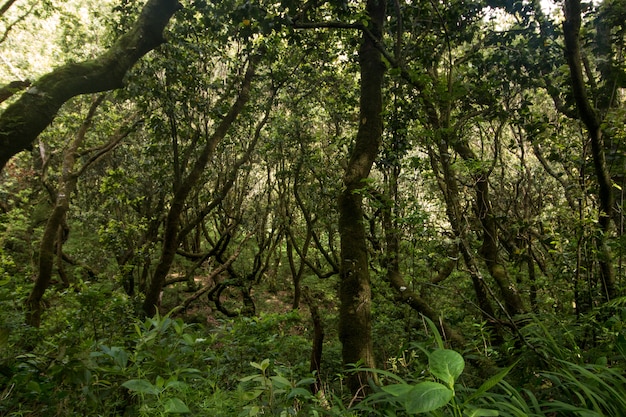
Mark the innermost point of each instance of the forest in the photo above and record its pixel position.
(313, 208)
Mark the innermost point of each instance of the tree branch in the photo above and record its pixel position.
(6, 6)
(7, 91)
(24, 120)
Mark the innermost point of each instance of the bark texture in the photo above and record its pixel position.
(355, 292)
(593, 122)
(56, 230)
(24, 120)
(171, 238)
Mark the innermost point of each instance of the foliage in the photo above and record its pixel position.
(482, 145)
(275, 394)
(273, 336)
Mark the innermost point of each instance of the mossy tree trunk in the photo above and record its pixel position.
(171, 237)
(56, 230)
(24, 120)
(490, 248)
(593, 123)
(355, 292)
(52, 235)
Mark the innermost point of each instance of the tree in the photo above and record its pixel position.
(355, 292)
(593, 123)
(25, 119)
(171, 239)
(56, 229)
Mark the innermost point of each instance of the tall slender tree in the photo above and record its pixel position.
(593, 122)
(355, 288)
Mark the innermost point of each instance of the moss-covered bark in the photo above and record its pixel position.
(355, 292)
(593, 123)
(171, 237)
(24, 120)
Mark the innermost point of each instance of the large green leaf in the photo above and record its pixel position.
(397, 390)
(426, 396)
(141, 385)
(176, 406)
(446, 364)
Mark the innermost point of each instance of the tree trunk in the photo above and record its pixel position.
(449, 187)
(56, 231)
(24, 120)
(355, 292)
(53, 232)
(589, 116)
(318, 340)
(490, 250)
(34, 307)
(171, 236)
(391, 263)
(297, 272)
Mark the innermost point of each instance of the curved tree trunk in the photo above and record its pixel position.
(24, 120)
(171, 238)
(51, 240)
(55, 232)
(34, 307)
(490, 250)
(592, 121)
(449, 187)
(355, 292)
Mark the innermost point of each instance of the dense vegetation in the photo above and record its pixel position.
(312, 208)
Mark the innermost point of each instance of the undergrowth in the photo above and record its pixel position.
(99, 362)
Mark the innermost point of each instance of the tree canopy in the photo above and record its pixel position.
(312, 208)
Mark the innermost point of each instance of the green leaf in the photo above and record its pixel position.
(254, 410)
(397, 390)
(258, 378)
(490, 383)
(426, 396)
(176, 406)
(483, 412)
(251, 395)
(189, 372)
(306, 381)
(435, 331)
(33, 386)
(178, 385)
(446, 364)
(189, 339)
(120, 356)
(261, 366)
(299, 392)
(141, 385)
(381, 372)
(280, 381)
